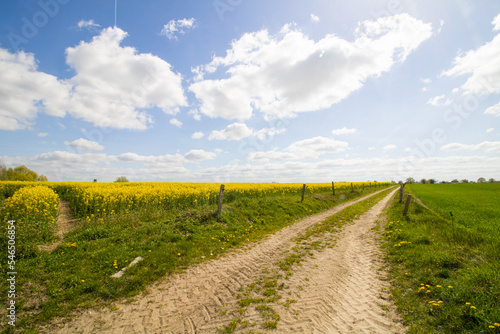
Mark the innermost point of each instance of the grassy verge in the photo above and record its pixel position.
(446, 275)
(270, 291)
(77, 273)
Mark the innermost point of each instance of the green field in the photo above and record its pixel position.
(446, 270)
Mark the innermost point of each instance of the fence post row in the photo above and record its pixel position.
(221, 195)
(303, 192)
(333, 188)
(407, 205)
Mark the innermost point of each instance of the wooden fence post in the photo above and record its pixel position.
(401, 193)
(303, 192)
(407, 205)
(221, 195)
(333, 188)
(363, 187)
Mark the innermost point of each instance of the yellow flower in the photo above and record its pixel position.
(491, 326)
(467, 303)
(497, 324)
(83, 280)
(450, 287)
(178, 254)
(473, 307)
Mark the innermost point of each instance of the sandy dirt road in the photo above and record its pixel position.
(336, 289)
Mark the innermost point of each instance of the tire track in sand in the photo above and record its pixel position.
(344, 290)
(194, 301)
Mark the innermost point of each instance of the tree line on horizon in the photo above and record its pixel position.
(411, 180)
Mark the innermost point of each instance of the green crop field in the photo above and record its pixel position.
(446, 268)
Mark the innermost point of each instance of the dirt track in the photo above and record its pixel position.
(336, 290)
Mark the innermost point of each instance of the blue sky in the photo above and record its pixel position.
(251, 91)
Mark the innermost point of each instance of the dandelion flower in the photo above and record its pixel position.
(497, 324)
(450, 287)
(467, 303)
(473, 307)
(491, 326)
(83, 280)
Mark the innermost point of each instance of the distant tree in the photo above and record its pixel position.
(464, 181)
(454, 181)
(491, 180)
(121, 179)
(443, 182)
(20, 173)
(3, 172)
(423, 181)
(431, 181)
(481, 180)
(410, 180)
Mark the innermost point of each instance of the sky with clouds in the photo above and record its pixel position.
(251, 91)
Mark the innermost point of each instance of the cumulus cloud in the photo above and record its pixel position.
(486, 146)
(114, 84)
(482, 65)
(42, 134)
(88, 24)
(314, 18)
(237, 131)
(24, 92)
(197, 135)
(112, 87)
(343, 131)
(389, 147)
(496, 23)
(176, 122)
(199, 155)
(437, 101)
(82, 144)
(493, 110)
(289, 73)
(310, 148)
(174, 27)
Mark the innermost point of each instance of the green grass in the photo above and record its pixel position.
(77, 273)
(446, 274)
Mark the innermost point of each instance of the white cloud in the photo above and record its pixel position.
(112, 87)
(199, 155)
(490, 130)
(486, 146)
(493, 110)
(237, 131)
(314, 18)
(197, 135)
(304, 149)
(42, 134)
(389, 147)
(426, 80)
(114, 84)
(174, 27)
(176, 122)
(82, 144)
(437, 101)
(343, 131)
(87, 24)
(483, 66)
(289, 73)
(24, 92)
(496, 23)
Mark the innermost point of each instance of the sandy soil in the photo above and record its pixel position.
(339, 289)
